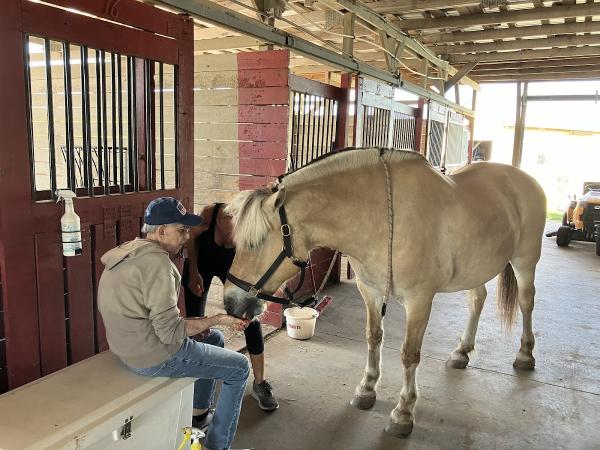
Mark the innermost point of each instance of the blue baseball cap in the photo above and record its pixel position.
(167, 210)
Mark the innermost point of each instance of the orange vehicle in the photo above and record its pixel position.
(581, 221)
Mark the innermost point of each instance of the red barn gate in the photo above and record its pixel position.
(100, 105)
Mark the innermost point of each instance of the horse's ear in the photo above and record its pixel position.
(279, 198)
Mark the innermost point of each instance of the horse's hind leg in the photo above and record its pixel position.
(365, 394)
(417, 316)
(459, 358)
(525, 275)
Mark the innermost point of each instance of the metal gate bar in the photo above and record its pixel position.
(404, 131)
(88, 181)
(313, 128)
(375, 126)
(161, 127)
(108, 167)
(120, 138)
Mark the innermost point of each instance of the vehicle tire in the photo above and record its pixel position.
(565, 222)
(563, 236)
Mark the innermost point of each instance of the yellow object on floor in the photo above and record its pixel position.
(195, 435)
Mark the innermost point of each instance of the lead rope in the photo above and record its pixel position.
(388, 286)
(318, 291)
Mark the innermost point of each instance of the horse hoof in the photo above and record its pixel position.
(457, 363)
(400, 430)
(363, 401)
(524, 364)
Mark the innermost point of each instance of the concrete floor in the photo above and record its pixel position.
(486, 406)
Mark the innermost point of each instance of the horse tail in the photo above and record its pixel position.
(506, 297)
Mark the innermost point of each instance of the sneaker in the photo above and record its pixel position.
(202, 424)
(263, 392)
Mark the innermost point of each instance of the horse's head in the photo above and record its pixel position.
(258, 238)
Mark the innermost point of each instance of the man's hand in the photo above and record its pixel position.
(233, 322)
(202, 335)
(196, 284)
(197, 326)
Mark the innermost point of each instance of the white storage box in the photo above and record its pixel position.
(87, 406)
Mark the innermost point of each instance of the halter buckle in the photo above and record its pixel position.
(286, 230)
(253, 291)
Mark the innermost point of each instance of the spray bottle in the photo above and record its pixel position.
(69, 224)
(193, 435)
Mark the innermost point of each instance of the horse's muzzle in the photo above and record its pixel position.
(243, 306)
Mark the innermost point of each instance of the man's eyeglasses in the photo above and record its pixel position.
(182, 229)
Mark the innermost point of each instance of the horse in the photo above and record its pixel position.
(409, 232)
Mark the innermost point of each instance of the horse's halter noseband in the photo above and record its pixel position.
(286, 252)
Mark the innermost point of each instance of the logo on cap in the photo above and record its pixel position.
(181, 209)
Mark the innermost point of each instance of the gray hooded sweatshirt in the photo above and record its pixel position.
(137, 297)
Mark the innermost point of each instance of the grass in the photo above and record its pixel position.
(554, 215)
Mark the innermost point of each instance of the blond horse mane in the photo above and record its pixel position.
(347, 160)
(251, 223)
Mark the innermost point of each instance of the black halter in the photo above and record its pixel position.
(286, 252)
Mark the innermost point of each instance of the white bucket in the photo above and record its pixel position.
(301, 322)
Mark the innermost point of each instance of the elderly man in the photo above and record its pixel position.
(137, 297)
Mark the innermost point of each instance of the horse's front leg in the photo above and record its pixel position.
(365, 393)
(417, 316)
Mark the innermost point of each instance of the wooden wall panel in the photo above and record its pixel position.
(215, 129)
(241, 122)
(271, 115)
(216, 97)
(104, 238)
(263, 153)
(264, 167)
(274, 59)
(80, 301)
(214, 114)
(225, 149)
(216, 165)
(51, 302)
(263, 150)
(214, 63)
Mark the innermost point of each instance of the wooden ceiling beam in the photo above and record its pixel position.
(365, 13)
(225, 43)
(569, 2)
(300, 62)
(566, 62)
(508, 33)
(535, 71)
(216, 32)
(524, 15)
(552, 53)
(376, 20)
(312, 69)
(212, 32)
(542, 77)
(311, 19)
(411, 6)
(520, 44)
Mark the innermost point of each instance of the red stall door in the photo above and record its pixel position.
(99, 103)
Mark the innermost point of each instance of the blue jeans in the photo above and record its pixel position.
(208, 362)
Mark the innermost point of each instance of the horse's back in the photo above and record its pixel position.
(502, 180)
(499, 213)
(506, 188)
